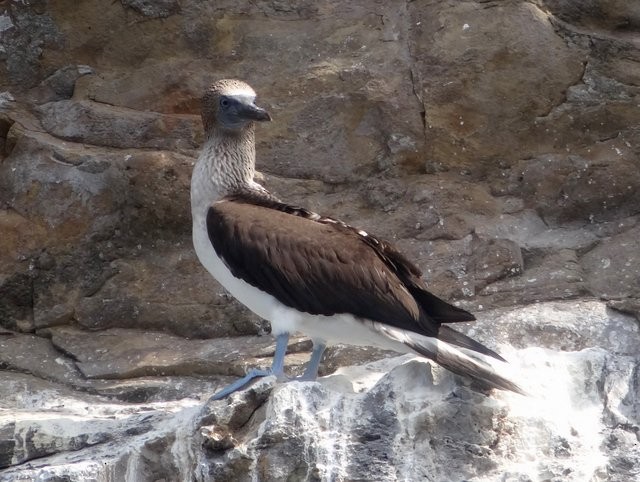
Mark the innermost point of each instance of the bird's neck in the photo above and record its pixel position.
(226, 163)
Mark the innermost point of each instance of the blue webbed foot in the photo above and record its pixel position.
(277, 369)
(238, 384)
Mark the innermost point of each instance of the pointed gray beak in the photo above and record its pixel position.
(253, 112)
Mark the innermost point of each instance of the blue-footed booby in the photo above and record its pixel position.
(308, 273)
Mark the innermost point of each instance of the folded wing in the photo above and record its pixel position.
(322, 266)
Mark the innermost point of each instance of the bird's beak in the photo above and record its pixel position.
(253, 112)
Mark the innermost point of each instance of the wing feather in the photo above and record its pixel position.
(322, 266)
(313, 267)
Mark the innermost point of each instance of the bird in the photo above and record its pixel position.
(307, 273)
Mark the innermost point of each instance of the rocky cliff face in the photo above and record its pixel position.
(496, 143)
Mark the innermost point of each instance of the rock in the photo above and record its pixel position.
(528, 230)
(27, 30)
(37, 356)
(494, 88)
(79, 423)
(60, 314)
(606, 14)
(567, 326)
(173, 293)
(109, 199)
(338, 356)
(579, 189)
(377, 412)
(158, 389)
(121, 353)
(109, 126)
(16, 302)
(40, 169)
(609, 229)
(157, 9)
(613, 267)
(158, 184)
(59, 85)
(494, 259)
(146, 194)
(629, 306)
(20, 237)
(479, 137)
(303, 419)
(554, 276)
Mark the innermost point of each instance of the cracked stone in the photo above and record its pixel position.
(121, 353)
(39, 357)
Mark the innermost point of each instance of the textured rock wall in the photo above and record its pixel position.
(496, 143)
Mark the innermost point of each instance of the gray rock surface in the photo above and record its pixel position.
(496, 143)
(398, 418)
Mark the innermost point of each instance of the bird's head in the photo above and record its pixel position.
(230, 105)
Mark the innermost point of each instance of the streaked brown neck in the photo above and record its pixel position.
(229, 157)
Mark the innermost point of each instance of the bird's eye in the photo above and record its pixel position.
(224, 102)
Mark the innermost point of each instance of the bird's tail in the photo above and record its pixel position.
(452, 358)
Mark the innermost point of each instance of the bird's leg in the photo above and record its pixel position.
(311, 373)
(277, 365)
(277, 369)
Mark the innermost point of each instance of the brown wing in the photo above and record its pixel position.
(314, 267)
(322, 266)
